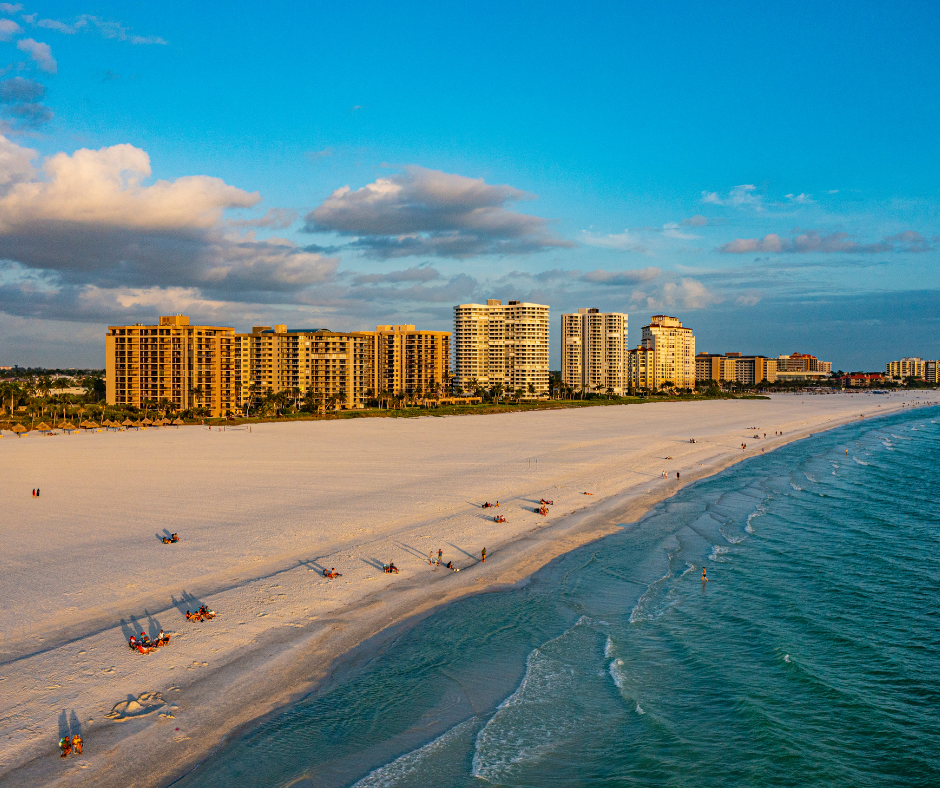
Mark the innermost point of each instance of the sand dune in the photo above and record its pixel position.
(260, 514)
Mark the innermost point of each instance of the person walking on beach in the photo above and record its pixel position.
(483, 553)
(677, 474)
(431, 558)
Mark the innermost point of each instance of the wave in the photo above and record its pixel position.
(860, 462)
(415, 762)
(659, 596)
(527, 724)
(718, 551)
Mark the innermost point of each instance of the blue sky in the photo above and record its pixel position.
(766, 172)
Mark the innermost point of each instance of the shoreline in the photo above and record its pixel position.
(284, 666)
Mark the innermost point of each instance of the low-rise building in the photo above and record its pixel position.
(735, 368)
(802, 367)
(861, 380)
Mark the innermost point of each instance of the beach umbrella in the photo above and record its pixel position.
(146, 422)
(43, 427)
(178, 421)
(127, 423)
(19, 429)
(67, 426)
(92, 425)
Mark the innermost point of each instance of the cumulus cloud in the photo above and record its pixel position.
(89, 218)
(831, 243)
(623, 242)
(10, 8)
(800, 199)
(620, 278)
(8, 29)
(40, 53)
(433, 213)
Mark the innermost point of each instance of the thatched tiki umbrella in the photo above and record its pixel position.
(127, 423)
(43, 427)
(146, 422)
(19, 429)
(177, 422)
(67, 426)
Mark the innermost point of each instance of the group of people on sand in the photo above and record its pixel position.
(69, 746)
(390, 568)
(203, 614)
(332, 574)
(542, 510)
(546, 503)
(36, 493)
(499, 519)
(170, 539)
(489, 505)
(145, 645)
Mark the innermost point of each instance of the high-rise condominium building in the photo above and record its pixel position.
(673, 355)
(213, 367)
(914, 367)
(502, 343)
(594, 351)
(187, 366)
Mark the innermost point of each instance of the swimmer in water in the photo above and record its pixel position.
(704, 577)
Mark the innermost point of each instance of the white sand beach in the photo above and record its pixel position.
(260, 513)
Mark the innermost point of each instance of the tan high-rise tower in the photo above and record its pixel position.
(665, 355)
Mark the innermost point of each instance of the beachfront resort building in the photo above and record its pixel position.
(735, 368)
(504, 344)
(594, 351)
(913, 367)
(213, 367)
(666, 355)
(800, 367)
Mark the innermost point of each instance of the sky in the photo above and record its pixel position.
(769, 173)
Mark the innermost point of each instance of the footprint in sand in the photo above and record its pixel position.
(145, 703)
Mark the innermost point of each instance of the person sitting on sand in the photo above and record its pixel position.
(392, 568)
(65, 745)
(144, 638)
(77, 743)
(132, 642)
(174, 537)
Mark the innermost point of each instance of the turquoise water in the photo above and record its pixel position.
(811, 658)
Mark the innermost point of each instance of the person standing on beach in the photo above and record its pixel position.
(440, 556)
(484, 555)
(431, 558)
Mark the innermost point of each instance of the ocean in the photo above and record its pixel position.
(811, 657)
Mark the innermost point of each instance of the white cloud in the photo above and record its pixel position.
(671, 230)
(8, 29)
(813, 241)
(40, 53)
(800, 199)
(620, 278)
(743, 196)
(624, 242)
(434, 213)
(90, 218)
(688, 294)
